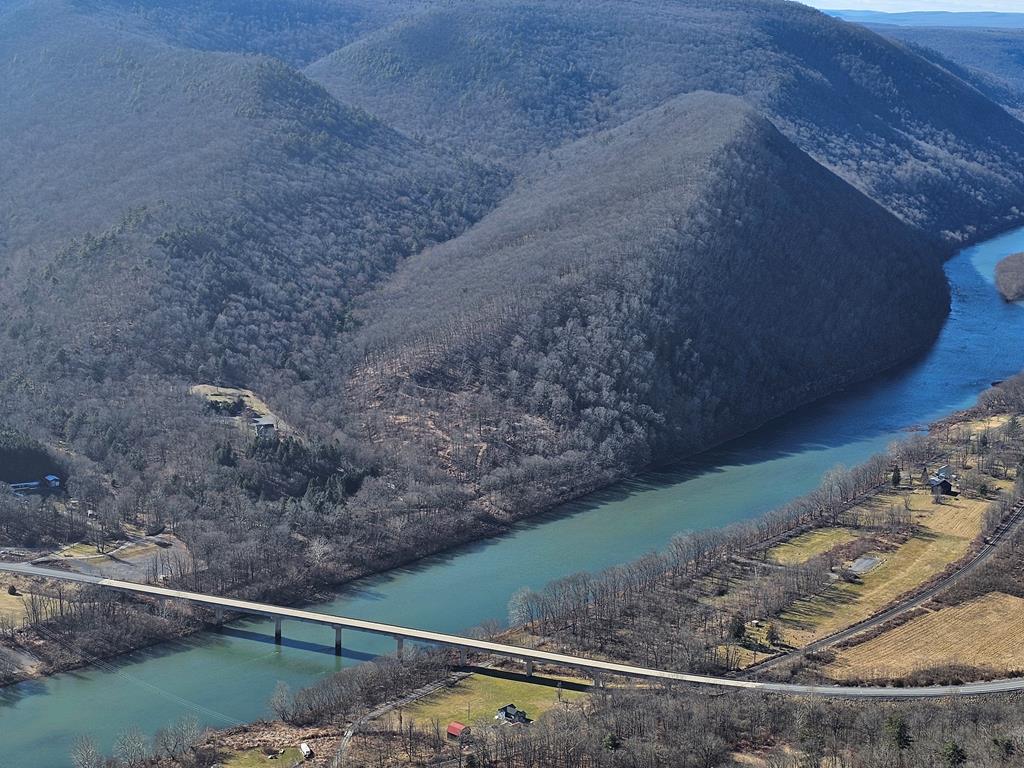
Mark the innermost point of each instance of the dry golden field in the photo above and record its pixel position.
(985, 633)
(945, 532)
(13, 606)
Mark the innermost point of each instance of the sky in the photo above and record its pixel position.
(901, 6)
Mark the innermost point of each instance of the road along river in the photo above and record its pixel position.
(227, 678)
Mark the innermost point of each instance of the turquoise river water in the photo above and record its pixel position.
(226, 678)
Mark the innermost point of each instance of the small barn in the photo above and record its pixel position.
(457, 731)
(940, 486)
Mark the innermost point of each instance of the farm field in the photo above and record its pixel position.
(944, 534)
(807, 545)
(984, 633)
(478, 697)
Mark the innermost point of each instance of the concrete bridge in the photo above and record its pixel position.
(529, 656)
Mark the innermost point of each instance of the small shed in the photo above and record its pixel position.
(307, 753)
(940, 486)
(457, 731)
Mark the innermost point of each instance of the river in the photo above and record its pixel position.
(226, 678)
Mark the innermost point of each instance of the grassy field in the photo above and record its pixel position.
(11, 605)
(945, 532)
(479, 697)
(82, 550)
(254, 758)
(807, 545)
(984, 632)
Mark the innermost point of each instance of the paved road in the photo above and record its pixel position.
(1004, 530)
(527, 654)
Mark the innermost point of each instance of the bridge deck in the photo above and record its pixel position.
(502, 649)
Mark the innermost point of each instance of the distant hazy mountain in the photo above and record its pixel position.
(991, 20)
(998, 53)
(515, 79)
(650, 288)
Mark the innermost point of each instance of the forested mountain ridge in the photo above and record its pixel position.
(295, 31)
(515, 79)
(232, 205)
(646, 293)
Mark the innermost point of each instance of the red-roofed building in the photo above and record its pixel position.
(457, 730)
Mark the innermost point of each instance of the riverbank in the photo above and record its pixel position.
(884, 537)
(1010, 277)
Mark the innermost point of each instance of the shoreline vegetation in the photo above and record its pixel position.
(1010, 277)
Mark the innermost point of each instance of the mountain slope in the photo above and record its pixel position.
(231, 206)
(645, 294)
(295, 31)
(516, 79)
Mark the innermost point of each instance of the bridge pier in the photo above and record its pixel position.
(400, 645)
(529, 667)
(337, 641)
(218, 616)
(277, 631)
(463, 657)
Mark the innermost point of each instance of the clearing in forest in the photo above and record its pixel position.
(478, 697)
(802, 548)
(943, 535)
(984, 632)
(227, 395)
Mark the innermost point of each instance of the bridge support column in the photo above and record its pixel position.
(463, 657)
(400, 645)
(277, 630)
(337, 641)
(218, 616)
(529, 667)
